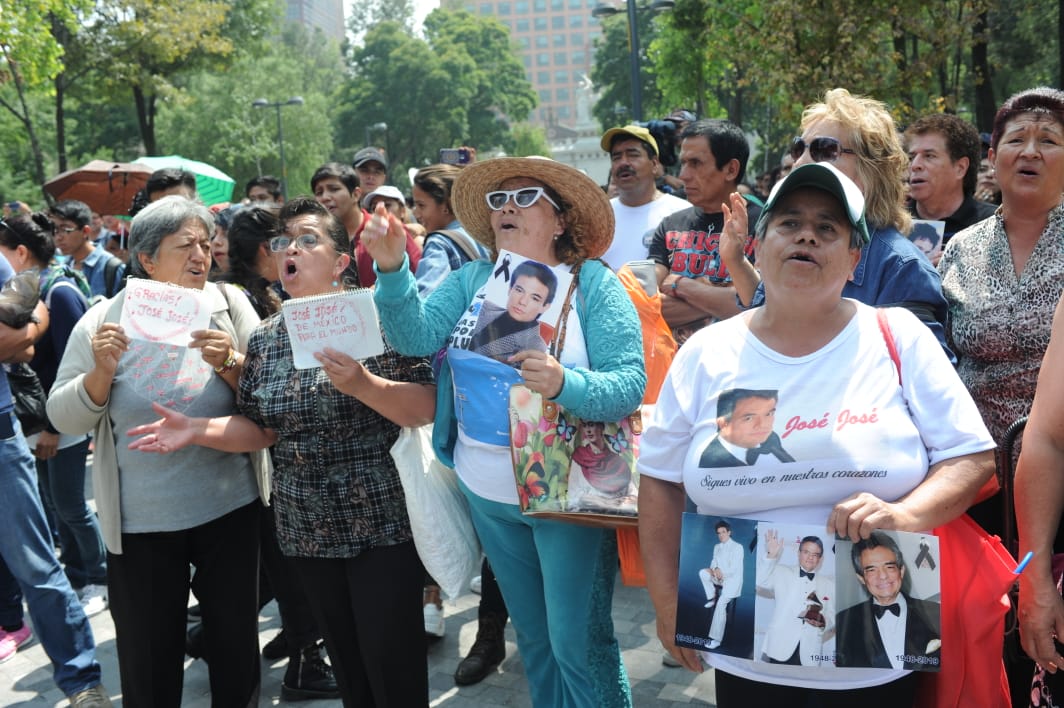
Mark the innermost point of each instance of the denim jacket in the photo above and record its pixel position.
(893, 272)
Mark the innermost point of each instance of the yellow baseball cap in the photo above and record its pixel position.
(636, 131)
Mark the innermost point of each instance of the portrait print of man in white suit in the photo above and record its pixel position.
(803, 614)
(722, 580)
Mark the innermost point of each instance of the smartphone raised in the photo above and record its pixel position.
(454, 156)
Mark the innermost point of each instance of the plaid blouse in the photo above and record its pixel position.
(336, 491)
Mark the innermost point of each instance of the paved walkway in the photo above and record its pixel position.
(26, 680)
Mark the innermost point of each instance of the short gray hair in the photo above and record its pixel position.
(157, 221)
(761, 228)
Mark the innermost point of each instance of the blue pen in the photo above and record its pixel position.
(1023, 564)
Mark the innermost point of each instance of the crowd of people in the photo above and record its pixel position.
(889, 293)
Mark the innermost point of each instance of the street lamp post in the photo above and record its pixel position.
(387, 147)
(373, 128)
(263, 103)
(602, 11)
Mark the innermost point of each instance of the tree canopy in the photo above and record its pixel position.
(114, 79)
(759, 63)
(461, 85)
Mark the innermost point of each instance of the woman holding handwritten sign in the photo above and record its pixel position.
(340, 512)
(198, 507)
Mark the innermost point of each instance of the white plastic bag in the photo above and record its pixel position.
(439, 514)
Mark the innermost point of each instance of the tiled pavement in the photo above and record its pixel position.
(26, 680)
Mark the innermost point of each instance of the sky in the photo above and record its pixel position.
(423, 8)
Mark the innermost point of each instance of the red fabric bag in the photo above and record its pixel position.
(976, 575)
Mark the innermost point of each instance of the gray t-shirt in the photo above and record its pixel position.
(182, 489)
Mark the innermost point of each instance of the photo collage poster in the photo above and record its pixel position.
(787, 593)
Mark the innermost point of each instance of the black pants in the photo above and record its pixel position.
(278, 580)
(148, 586)
(369, 611)
(491, 602)
(735, 692)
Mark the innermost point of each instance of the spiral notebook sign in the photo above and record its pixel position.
(345, 321)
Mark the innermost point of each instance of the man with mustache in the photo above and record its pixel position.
(639, 205)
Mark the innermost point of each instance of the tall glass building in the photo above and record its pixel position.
(326, 15)
(555, 39)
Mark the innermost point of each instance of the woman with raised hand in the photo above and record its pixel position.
(857, 136)
(557, 578)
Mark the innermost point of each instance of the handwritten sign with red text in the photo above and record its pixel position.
(346, 322)
(160, 312)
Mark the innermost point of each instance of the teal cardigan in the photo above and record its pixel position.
(611, 388)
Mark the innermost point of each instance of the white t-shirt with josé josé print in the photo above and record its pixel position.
(840, 415)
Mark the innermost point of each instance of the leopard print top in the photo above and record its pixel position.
(999, 323)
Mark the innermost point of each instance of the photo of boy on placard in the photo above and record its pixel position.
(523, 300)
(927, 236)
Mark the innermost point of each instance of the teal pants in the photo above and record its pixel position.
(557, 580)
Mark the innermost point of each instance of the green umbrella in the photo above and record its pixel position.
(212, 185)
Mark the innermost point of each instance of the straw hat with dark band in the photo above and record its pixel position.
(589, 216)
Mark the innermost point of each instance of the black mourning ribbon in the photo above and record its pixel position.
(504, 268)
(881, 610)
(925, 555)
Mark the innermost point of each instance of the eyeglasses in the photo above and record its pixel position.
(524, 197)
(822, 149)
(67, 229)
(303, 242)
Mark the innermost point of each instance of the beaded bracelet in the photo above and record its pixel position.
(229, 364)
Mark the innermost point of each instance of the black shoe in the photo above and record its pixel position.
(308, 676)
(487, 652)
(194, 646)
(276, 648)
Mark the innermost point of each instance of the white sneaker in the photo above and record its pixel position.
(474, 585)
(434, 624)
(94, 599)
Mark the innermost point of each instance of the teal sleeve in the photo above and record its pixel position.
(413, 326)
(615, 383)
